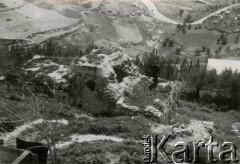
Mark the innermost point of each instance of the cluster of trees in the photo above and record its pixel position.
(201, 84)
(181, 28)
(168, 42)
(17, 55)
(53, 50)
(187, 26)
(223, 40)
(188, 19)
(168, 69)
(203, 49)
(235, 1)
(198, 27)
(208, 86)
(181, 12)
(212, 8)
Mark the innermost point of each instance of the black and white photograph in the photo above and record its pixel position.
(119, 81)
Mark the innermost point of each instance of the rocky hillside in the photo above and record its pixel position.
(103, 84)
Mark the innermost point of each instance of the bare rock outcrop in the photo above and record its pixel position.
(111, 85)
(98, 81)
(106, 83)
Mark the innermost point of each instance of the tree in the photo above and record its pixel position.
(197, 52)
(178, 27)
(234, 90)
(204, 48)
(188, 19)
(222, 39)
(195, 79)
(217, 52)
(169, 70)
(212, 79)
(189, 26)
(178, 50)
(181, 12)
(229, 87)
(171, 43)
(147, 62)
(225, 79)
(236, 41)
(183, 68)
(208, 52)
(181, 28)
(184, 30)
(50, 48)
(165, 42)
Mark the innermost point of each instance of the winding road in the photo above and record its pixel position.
(217, 12)
(159, 16)
(155, 13)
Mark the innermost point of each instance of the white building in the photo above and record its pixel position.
(221, 64)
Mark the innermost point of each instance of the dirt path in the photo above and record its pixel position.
(217, 12)
(10, 137)
(155, 13)
(87, 138)
(159, 16)
(14, 8)
(37, 38)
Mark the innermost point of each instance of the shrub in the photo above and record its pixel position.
(6, 125)
(206, 97)
(15, 97)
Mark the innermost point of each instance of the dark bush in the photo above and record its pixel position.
(6, 125)
(15, 97)
(206, 98)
